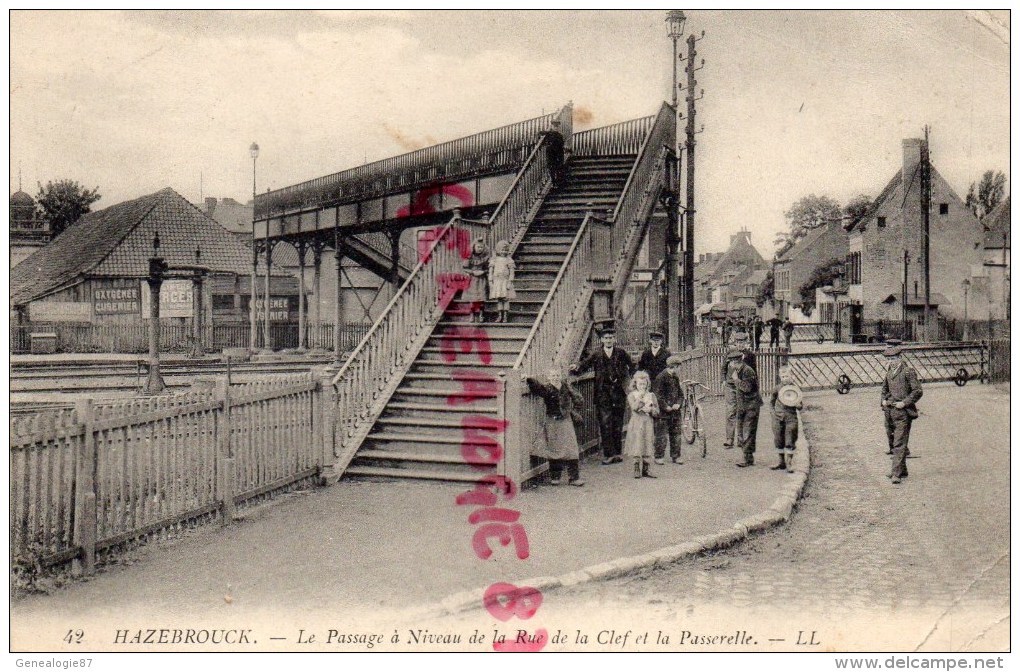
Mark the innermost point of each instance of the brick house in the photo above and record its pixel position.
(794, 266)
(893, 226)
(991, 283)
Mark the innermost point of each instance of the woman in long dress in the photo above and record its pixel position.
(561, 403)
(644, 407)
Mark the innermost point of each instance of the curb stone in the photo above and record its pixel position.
(776, 514)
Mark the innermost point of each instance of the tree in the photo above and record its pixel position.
(984, 196)
(856, 208)
(767, 290)
(811, 212)
(64, 202)
(823, 275)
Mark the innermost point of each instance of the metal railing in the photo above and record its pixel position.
(367, 379)
(506, 147)
(623, 138)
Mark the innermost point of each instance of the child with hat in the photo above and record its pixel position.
(786, 400)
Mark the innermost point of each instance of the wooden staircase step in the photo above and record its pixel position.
(461, 477)
(456, 425)
(434, 458)
(440, 408)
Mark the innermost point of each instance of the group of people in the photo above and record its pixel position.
(652, 391)
(492, 279)
(753, 330)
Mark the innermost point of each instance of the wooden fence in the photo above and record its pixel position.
(88, 479)
(179, 337)
(998, 360)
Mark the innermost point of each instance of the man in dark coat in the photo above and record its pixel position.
(653, 359)
(667, 391)
(900, 391)
(759, 327)
(774, 325)
(613, 368)
(745, 379)
(554, 153)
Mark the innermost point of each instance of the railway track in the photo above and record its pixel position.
(30, 379)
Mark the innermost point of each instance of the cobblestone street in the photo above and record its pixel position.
(865, 564)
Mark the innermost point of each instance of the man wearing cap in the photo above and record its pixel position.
(554, 154)
(653, 359)
(745, 380)
(729, 366)
(613, 368)
(666, 389)
(900, 391)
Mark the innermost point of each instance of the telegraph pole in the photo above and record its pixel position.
(926, 212)
(688, 298)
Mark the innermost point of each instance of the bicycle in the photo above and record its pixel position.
(692, 418)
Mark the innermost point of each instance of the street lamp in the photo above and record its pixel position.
(157, 269)
(254, 150)
(966, 322)
(675, 19)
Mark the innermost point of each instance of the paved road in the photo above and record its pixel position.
(864, 565)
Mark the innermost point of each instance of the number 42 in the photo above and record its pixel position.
(74, 636)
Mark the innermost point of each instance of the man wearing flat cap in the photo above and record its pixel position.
(666, 389)
(729, 365)
(748, 399)
(900, 391)
(613, 368)
(653, 359)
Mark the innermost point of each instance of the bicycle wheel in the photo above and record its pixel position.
(699, 430)
(687, 424)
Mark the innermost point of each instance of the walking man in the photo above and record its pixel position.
(653, 359)
(774, 332)
(667, 426)
(788, 333)
(613, 368)
(554, 153)
(748, 407)
(900, 391)
(729, 367)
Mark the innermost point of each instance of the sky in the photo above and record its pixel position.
(795, 103)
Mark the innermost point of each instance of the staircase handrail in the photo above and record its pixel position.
(513, 214)
(554, 318)
(422, 166)
(367, 379)
(647, 169)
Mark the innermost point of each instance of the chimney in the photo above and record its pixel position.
(210, 204)
(701, 259)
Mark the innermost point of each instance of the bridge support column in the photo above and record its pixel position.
(302, 248)
(394, 237)
(266, 341)
(316, 290)
(252, 311)
(338, 350)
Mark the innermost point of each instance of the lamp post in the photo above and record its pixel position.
(906, 267)
(254, 151)
(966, 322)
(675, 20)
(197, 348)
(157, 268)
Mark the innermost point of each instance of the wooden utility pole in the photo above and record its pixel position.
(926, 214)
(688, 297)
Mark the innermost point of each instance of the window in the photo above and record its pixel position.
(943, 208)
(881, 222)
(223, 301)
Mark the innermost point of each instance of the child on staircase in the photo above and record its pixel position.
(501, 280)
(476, 266)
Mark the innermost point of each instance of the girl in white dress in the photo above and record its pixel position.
(501, 280)
(644, 407)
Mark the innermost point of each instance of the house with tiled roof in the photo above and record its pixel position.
(95, 270)
(885, 264)
(794, 265)
(28, 229)
(995, 272)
